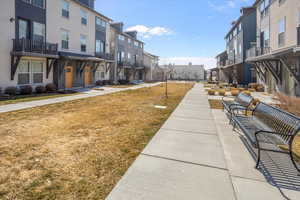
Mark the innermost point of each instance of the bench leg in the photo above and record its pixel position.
(258, 159)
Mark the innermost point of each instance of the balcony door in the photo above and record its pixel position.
(23, 29)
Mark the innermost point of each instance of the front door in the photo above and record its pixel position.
(87, 76)
(69, 77)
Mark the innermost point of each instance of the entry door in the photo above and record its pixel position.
(88, 76)
(69, 77)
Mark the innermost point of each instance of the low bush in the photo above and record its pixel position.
(25, 89)
(260, 88)
(289, 104)
(50, 87)
(123, 82)
(11, 90)
(222, 92)
(211, 92)
(99, 83)
(40, 89)
(235, 92)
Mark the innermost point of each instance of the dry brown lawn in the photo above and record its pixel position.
(79, 149)
(215, 104)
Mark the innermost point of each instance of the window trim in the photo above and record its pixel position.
(31, 3)
(67, 11)
(84, 16)
(66, 31)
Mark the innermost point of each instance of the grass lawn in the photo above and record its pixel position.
(33, 97)
(79, 149)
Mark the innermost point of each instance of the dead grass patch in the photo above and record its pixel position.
(79, 149)
(215, 104)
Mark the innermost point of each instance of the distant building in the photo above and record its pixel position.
(186, 72)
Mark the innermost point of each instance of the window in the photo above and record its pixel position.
(100, 24)
(99, 46)
(267, 37)
(235, 32)
(30, 72)
(129, 56)
(37, 72)
(23, 73)
(83, 43)
(64, 39)
(121, 37)
(141, 45)
(83, 15)
(37, 3)
(299, 18)
(23, 29)
(136, 43)
(102, 75)
(281, 32)
(38, 32)
(65, 9)
(129, 41)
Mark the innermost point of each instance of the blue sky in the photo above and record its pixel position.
(179, 31)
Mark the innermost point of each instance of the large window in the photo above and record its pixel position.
(267, 37)
(136, 43)
(264, 7)
(83, 42)
(84, 16)
(65, 11)
(64, 39)
(100, 46)
(281, 32)
(30, 72)
(38, 32)
(100, 24)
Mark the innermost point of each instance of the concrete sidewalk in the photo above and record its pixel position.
(85, 93)
(195, 155)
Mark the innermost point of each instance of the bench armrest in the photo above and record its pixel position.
(228, 97)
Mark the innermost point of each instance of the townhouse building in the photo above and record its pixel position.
(275, 55)
(150, 63)
(238, 40)
(65, 42)
(129, 53)
(221, 62)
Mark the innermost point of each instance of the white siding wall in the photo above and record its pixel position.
(55, 22)
(7, 33)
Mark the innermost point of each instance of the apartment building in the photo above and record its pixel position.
(275, 55)
(186, 72)
(65, 42)
(129, 53)
(221, 62)
(150, 63)
(238, 40)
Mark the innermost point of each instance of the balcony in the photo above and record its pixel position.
(257, 51)
(106, 56)
(33, 46)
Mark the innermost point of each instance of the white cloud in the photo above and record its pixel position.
(208, 62)
(148, 32)
(229, 4)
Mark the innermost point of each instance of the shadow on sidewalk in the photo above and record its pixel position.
(277, 168)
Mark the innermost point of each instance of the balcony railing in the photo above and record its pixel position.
(257, 51)
(33, 46)
(106, 56)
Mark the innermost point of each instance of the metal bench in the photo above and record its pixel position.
(267, 128)
(241, 101)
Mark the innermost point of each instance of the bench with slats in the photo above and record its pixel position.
(269, 129)
(241, 101)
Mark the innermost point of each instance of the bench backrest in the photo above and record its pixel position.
(243, 99)
(278, 120)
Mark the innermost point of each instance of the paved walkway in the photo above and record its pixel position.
(196, 156)
(85, 93)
